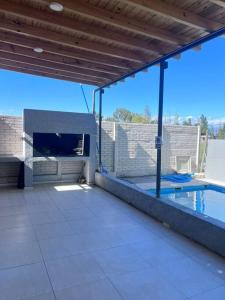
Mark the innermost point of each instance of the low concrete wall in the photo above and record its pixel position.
(204, 230)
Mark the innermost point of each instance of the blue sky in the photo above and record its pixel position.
(195, 84)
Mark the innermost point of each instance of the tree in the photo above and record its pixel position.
(176, 120)
(212, 132)
(221, 132)
(147, 114)
(138, 118)
(122, 115)
(188, 121)
(203, 125)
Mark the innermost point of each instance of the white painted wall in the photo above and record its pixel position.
(215, 160)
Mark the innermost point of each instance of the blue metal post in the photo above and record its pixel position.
(101, 92)
(158, 142)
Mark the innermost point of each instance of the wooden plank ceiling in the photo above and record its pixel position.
(97, 41)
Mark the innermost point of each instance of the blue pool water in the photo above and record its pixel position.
(207, 199)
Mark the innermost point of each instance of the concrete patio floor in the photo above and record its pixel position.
(71, 242)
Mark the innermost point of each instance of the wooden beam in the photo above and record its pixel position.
(54, 66)
(76, 26)
(67, 40)
(120, 21)
(219, 2)
(36, 70)
(176, 13)
(64, 61)
(66, 51)
(36, 73)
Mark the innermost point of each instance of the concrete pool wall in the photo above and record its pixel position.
(199, 228)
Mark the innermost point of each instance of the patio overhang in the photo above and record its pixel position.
(99, 43)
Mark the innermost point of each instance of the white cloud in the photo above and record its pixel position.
(216, 121)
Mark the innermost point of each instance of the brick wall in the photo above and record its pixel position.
(127, 149)
(108, 145)
(11, 130)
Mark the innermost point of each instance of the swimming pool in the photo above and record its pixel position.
(206, 199)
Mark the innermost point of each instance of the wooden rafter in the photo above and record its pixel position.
(177, 14)
(120, 21)
(43, 74)
(59, 59)
(75, 26)
(219, 2)
(66, 51)
(20, 65)
(67, 40)
(93, 43)
(54, 66)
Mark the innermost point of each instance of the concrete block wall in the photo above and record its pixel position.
(11, 137)
(135, 153)
(180, 141)
(108, 145)
(128, 149)
(11, 134)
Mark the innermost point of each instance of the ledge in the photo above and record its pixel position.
(60, 158)
(7, 158)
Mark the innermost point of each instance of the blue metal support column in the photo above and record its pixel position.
(93, 102)
(158, 140)
(101, 92)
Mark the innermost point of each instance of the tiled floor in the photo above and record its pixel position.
(79, 243)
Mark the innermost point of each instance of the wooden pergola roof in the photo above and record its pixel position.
(97, 41)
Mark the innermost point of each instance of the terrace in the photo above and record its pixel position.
(107, 238)
(80, 242)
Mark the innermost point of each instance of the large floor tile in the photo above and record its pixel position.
(14, 221)
(17, 234)
(189, 277)
(40, 206)
(99, 290)
(24, 282)
(48, 296)
(57, 247)
(120, 260)
(145, 285)
(52, 230)
(87, 225)
(73, 202)
(73, 270)
(157, 252)
(74, 244)
(7, 201)
(137, 233)
(81, 213)
(214, 294)
(20, 253)
(50, 216)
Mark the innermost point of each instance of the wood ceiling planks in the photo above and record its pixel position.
(99, 41)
